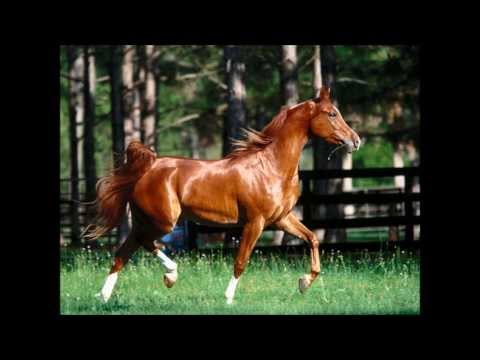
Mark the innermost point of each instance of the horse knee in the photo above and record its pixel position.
(314, 241)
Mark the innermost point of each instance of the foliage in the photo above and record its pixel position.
(375, 153)
(64, 120)
(370, 80)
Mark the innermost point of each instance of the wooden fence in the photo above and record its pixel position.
(309, 200)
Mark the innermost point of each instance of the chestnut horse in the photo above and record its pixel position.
(255, 186)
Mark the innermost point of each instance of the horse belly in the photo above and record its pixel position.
(209, 205)
(205, 216)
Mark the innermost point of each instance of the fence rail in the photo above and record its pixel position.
(309, 200)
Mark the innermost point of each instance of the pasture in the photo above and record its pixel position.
(363, 283)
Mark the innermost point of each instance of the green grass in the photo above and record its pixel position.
(366, 283)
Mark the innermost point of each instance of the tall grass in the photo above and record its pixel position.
(363, 283)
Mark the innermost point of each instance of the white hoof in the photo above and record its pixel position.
(103, 297)
(230, 292)
(304, 283)
(170, 278)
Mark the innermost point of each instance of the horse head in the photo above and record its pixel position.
(327, 123)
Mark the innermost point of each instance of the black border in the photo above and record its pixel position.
(48, 172)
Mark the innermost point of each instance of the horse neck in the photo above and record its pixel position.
(286, 149)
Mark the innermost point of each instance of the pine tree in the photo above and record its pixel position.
(75, 109)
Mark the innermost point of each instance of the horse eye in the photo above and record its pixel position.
(332, 114)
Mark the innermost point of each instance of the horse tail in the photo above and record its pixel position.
(115, 189)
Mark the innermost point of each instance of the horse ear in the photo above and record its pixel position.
(325, 93)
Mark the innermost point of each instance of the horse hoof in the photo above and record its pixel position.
(169, 279)
(229, 301)
(102, 297)
(304, 283)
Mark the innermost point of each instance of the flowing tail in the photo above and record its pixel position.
(114, 190)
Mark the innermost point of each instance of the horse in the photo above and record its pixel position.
(255, 186)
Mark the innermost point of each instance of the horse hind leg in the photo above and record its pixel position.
(158, 218)
(122, 256)
(155, 230)
(171, 274)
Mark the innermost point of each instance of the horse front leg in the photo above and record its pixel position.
(251, 232)
(293, 226)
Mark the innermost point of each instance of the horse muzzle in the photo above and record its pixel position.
(351, 145)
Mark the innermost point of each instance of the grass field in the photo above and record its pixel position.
(362, 283)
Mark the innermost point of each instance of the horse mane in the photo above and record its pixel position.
(254, 140)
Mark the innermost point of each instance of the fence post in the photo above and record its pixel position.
(192, 235)
(306, 193)
(392, 230)
(409, 209)
(73, 210)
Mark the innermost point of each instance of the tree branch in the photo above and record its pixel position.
(194, 75)
(103, 79)
(348, 79)
(68, 77)
(218, 82)
(308, 62)
(178, 122)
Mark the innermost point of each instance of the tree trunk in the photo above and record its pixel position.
(75, 109)
(236, 112)
(413, 156)
(399, 182)
(131, 100)
(398, 163)
(156, 74)
(137, 102)
(148, 95)
(130, 114)
(317, 72)
(118, 135)
(318, 156)
(326, 59)
(412, 152)
(289, 75)
(261, 119)
(78, 73)
(89, 120)
(193, 142)
(318, 147)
